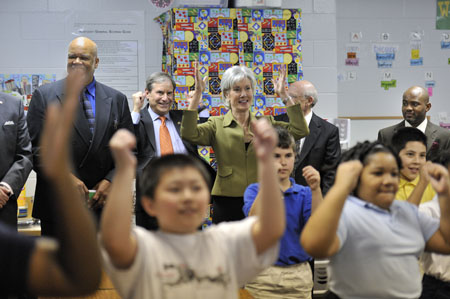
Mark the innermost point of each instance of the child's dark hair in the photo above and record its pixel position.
(285, 139)
(443, 158)
(404, 135)
(154, 171)
(362, 152)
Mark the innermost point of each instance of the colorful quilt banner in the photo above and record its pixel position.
(261, 39)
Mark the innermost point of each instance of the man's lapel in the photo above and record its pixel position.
(177, 116)
(3, 107)
(397, 126)
(148, 126)
(430, 132)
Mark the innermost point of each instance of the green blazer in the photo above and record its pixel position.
(236, 166)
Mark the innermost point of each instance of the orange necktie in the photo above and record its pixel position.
(165, 142)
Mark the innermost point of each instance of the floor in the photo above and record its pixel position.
(105, 291)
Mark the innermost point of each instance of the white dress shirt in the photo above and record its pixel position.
(422, 127)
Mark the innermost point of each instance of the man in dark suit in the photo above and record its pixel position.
(321, 148)
(150, 128)
(16, 159)
(415, 105)
(102, 112)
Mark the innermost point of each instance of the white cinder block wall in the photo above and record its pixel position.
(35, 40)
(364, 96)
(319, 50)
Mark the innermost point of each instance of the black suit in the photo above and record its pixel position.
(15, 153)
(438, 138)
(147, 151)
(321, 149)
(92, 160)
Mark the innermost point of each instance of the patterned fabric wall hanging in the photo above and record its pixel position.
(261, 39)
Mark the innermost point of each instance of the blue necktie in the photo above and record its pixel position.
(88, 111)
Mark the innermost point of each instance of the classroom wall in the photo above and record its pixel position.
(35, 40)
(364, 96)
(36, 36)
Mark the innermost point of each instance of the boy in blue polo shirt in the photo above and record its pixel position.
(291, 275)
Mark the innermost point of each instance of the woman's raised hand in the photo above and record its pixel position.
(194, 97)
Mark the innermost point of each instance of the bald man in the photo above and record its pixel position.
(321, 148)
(415, 105)
(102, 112)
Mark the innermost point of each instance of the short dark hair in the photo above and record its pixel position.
(285, 139)
(443, 158)
(159, 77)
(407, 134)
(154, 171)
(362, 151)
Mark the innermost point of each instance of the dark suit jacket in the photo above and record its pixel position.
(321, 149)
(16, 159)
(438, 138)
(92, 160)
(147, 152)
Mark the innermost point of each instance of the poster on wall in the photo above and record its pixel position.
(442, 14)
(388, 81)
(120, 41)
(445, 41)
(23, 85)
(385, 54)
(352, 58)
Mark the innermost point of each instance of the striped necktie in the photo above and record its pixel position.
(165, 143)
(88, 112)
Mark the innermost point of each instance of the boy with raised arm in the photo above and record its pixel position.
(178, 261)
(410, 144)
(70, 263)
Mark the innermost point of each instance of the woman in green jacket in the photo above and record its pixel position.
(231, 138)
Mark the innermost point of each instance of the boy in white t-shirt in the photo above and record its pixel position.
(178, 261)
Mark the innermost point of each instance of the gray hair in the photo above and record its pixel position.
(311, 92)
(158, 77)
(234, 75)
